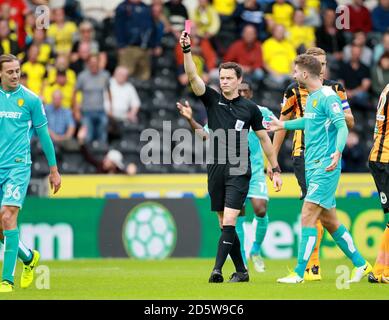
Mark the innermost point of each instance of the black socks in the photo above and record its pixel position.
(229, 244)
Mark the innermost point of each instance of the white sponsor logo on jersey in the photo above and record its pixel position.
(10, 114)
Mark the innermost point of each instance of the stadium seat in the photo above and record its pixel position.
(183, 168)
(166, 61)
(141, 84)
(156, 169)
(39, 168)
(169, 41)
(72, 163)
(98, 147)
(163, 82)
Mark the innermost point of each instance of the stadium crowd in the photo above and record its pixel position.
(108, 70)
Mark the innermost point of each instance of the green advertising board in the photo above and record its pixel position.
(159, 228)
(363, 217)
(62, 228)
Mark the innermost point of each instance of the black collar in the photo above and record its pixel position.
(225, 100)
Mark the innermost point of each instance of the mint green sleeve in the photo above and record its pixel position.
(334, 109)
(47, 144)
(266, 115)
(341, 137)
(335, 113)
(38, 114)
(297, 124)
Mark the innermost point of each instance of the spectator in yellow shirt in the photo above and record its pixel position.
(301, 36)
(206, 19)
(311, 10)
(61, 84)
(278, 56)
(225, 8)
(7, 45)
(61, 32)
(39, 39)
(61, 64)
(34, 70)
(279, 12)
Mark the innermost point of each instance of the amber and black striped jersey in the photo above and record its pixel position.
(295, 98)
(380, 150)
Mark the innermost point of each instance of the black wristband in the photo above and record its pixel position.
(276, 169)
(186, 49)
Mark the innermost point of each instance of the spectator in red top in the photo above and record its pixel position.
(360, 18)
(247, 51)
(18, 10)
(207, 51)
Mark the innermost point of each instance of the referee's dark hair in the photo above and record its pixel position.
(309, 63)
(232, 65)
(7, 58)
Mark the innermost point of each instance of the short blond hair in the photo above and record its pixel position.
(7, 58)
(315, 51)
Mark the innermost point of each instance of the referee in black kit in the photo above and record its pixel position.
(230, 116)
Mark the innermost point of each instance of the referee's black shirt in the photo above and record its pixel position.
(235, 116)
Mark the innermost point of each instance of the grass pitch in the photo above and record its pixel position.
(183, 279)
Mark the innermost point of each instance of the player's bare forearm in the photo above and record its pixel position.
(187, 113)
(198, 129)
(53, 169)
(349, 118)
(278, 139)
(197, 84)
(279, 136)
(267, 147)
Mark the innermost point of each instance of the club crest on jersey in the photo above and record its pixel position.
(335, 107)
(314, 103)
(239, 125)
(20, 103)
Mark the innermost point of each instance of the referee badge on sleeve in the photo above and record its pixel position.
(239, 125)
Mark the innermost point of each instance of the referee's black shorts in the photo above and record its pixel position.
(227, 190)
(299, 172)
(380, 173)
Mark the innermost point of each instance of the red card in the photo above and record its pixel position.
(188, 24)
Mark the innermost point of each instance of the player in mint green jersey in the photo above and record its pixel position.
(257, 193)
(325, 138)
(21, 111)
